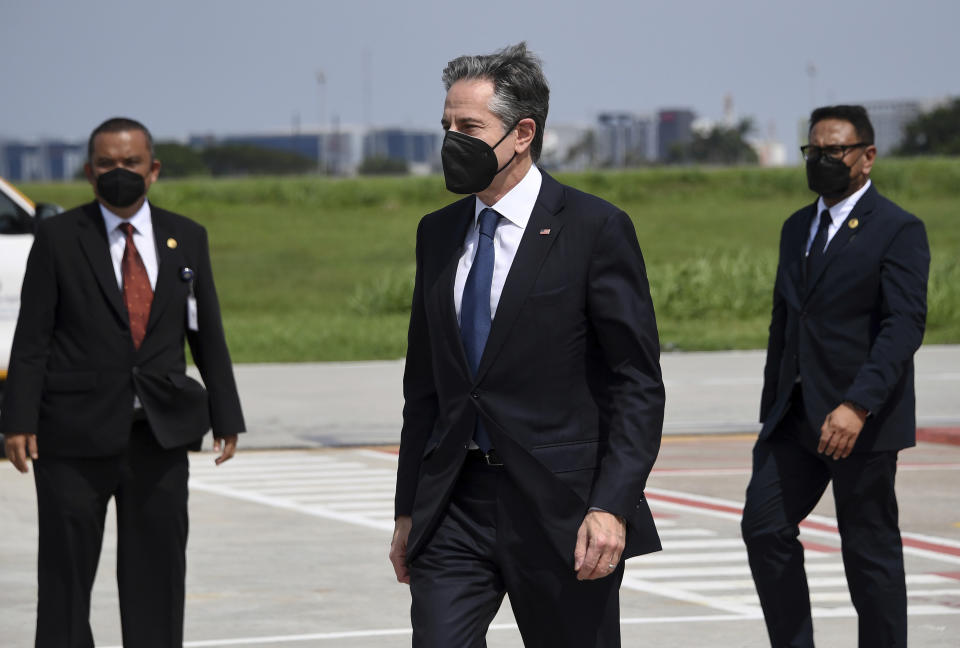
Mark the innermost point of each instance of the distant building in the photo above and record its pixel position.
(41, 161)
(889, 119)
(337, 151)
(567, 147)
(623, 140)
(419, 149)
(341, 150)
(674, 126)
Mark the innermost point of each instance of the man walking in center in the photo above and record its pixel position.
(533, 395)
(849, 308)
(98, 398)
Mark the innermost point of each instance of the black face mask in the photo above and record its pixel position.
(121, 187)
(828, 177)
(469, 163)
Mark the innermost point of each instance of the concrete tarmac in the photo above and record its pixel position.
(360, 403)
(289, 548)
(289, 540)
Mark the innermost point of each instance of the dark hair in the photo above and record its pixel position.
(519, 88)
(117, 125)
(856, 115)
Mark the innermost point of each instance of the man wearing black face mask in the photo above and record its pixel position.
(849, 307)
(97, 395)
(533, 395)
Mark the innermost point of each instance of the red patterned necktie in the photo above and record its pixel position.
(137, 293)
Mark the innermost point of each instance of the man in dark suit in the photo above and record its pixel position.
(533, 395)
(98, 398)
(849, 308)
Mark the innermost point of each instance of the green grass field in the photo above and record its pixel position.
(319, 269)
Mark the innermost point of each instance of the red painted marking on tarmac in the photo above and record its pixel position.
(816, 546)
(948, 435)
(695, 503)
(954, 575)
(696, 471)
(662, 516)
(931, 546)
(806, 524)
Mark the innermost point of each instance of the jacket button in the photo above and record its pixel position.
(136, 370)
(475, 394)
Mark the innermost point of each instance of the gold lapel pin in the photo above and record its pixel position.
(853, 223)
(172, 243)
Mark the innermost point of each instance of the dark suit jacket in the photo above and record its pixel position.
(850, 331)
(73, 368)
(569, 384)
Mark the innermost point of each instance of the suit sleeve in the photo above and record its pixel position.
(904, 268)
(209, 349)
(621, 312)
(31, 341)
(419, 395)
(775, 343)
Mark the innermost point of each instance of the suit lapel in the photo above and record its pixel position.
(854, 222)
(531, 253)
(443, 291)
(167, 259)
(94, 242)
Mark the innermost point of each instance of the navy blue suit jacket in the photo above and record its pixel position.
(851, 330)
(569, 385)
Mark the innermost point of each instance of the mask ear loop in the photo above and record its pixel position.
(500, 141)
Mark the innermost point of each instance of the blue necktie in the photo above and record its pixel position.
(475, 317)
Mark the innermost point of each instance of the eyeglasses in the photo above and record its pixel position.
(813, 153)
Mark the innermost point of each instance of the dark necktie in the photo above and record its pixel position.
(819, 243)
(475, 317)
(137, 293)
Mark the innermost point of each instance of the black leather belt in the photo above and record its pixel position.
(490, 458)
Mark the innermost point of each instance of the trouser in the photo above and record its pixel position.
(489, 543)
(150, 487)
(789, 477)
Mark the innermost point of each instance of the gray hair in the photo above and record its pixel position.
(519, 88)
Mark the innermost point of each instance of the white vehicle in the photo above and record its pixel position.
(18, 216)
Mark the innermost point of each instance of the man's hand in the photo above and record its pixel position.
(229, 445)
(398, 548)
(17, 447)
(600, 542)
(840, 430)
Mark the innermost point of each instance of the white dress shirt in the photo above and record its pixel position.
(515, 209)
(838, 214)
(142, 237)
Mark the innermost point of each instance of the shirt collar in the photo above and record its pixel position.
(517, 205)
(140, 220)
(840, 211)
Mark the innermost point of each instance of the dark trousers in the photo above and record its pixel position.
(789, 477)
(150, 487)
(487, 544)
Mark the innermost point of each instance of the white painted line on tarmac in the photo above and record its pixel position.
(812, 582)
(935, 548)
(686, 533)
(835, 597)
(668, 590)
(739, 570)
(276, 502)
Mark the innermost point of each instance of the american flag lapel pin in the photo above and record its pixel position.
(545, 231)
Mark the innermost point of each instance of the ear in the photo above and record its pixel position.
(154, 170)
(869, 155)
(526, 129)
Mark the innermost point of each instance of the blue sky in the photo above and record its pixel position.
(218, 66)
